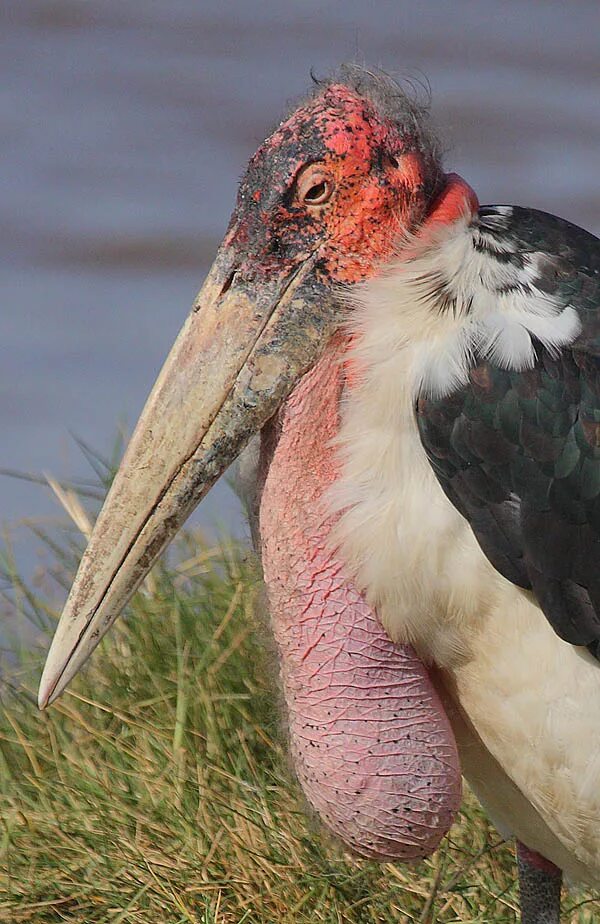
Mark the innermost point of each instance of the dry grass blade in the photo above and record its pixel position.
(71, 504)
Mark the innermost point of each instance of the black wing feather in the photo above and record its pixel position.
(518, 453)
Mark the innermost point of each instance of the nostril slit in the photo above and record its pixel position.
(228, 282)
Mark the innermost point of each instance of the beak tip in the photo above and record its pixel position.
(50, 688)
(43, 699)
(45, 695)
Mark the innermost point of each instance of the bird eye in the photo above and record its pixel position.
(314, 186)
(317, 193)
(391, 161)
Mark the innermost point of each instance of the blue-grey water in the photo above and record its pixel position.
(125, 125)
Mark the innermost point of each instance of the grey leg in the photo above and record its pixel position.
(539, 884)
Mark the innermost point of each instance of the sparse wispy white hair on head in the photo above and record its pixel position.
(406, 102)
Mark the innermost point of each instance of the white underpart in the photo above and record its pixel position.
(531, 745)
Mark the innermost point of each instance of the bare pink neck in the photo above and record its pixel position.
(371, 743)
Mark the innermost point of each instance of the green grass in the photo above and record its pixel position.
(158, 790)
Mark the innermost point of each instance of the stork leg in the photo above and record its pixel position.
(539, 884)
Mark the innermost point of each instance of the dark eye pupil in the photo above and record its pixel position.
(315, 192)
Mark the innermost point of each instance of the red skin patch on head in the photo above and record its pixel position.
(356, 131)
(374, 209)
(456, 200)
(374, 204)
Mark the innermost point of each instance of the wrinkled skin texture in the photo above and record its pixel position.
(371, 744)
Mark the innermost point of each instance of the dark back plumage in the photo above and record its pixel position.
(518, 453)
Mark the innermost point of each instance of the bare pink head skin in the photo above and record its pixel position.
(323, 205)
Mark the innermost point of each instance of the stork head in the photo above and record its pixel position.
(323, 202)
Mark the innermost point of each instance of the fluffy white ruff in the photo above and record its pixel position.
(455, 305)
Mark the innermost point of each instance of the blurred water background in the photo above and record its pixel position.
(125, 125)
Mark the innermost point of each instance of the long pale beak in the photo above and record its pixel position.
(237, 357)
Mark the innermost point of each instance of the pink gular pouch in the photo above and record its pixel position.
(371, 743)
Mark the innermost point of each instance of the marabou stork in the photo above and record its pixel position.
(425, 378)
